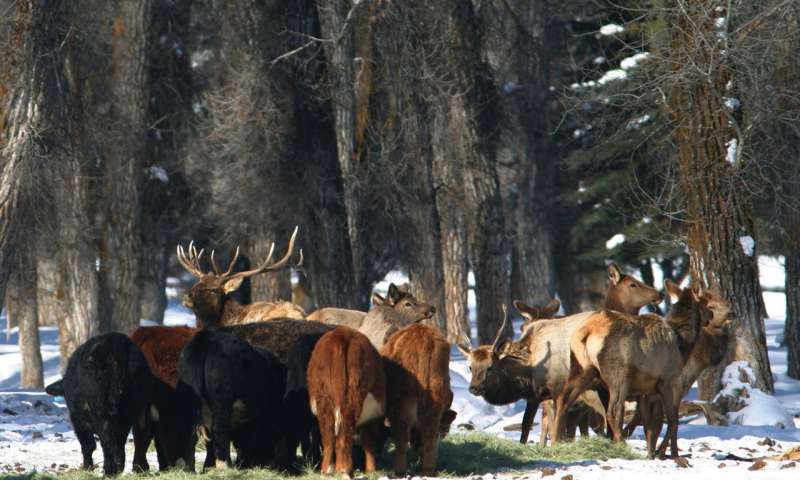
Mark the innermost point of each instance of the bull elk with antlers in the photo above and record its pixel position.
(210, 298)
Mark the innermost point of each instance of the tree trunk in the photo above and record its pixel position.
(153, 277)
(792, 332)
(125, 156)
(721, 232)
(270, 286)
(49, 287)
(22, 295)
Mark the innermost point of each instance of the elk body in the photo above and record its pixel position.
(398, 309)
(537, 365)
(639, 356)
(210, 300)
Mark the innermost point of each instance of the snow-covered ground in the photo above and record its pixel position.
(35, 433)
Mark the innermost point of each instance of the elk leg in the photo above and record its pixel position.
(671, 411)
(527, 420)
(616, 406)
(635, 421)
(568, 396)
(646, 416)
(547, 420)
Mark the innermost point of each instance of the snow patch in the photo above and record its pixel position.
(633, 61)
(637, 123)
(611, 75)
(748, 245)
(611, 29)
(733, 148)
(615, 241)
(199, 58)
(158, 173)
(732, 103)
(757, 407)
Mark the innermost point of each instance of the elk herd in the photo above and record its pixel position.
(269, 379)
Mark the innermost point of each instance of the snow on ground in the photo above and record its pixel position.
(35, 433)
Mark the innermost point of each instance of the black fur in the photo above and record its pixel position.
(302, 427)
(223, 370)
(107, 388)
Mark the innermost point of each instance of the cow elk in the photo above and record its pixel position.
(210, 298)
(347, 392)
(640, 356)
(417, 361)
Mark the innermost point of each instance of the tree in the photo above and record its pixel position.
(23, 307)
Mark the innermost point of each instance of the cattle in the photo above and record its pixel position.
(302, 428)
(416, 360)
(172, 425)
(347, 392)
(636, 356)
(107, 387)
(210, 298)
(240, 391)
(389, 314)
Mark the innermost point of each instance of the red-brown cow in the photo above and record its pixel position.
(417, 360)
(347, 391)
(170, 424)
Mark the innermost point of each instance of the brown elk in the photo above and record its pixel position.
(210, 298)
(417, 362)
(641, 356)
(397, 309)
(347, 394)
(627, 294)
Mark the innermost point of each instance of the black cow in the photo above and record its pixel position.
(239, 392)
(107, 387)
(302, 427)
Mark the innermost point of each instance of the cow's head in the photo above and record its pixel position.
(404, 304)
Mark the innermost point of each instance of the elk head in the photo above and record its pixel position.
(208, 296)
(700, 312)
(495, 369)
(627, 294)
(404, 304)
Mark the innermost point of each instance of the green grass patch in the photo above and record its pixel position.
(460, 454)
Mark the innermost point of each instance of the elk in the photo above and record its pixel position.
(397, 309)
(640, 356)
(536, 365)
(210, 298)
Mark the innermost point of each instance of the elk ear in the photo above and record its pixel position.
(502, 352)
(233, 284)
(551, 308)
(614, 273)
(673, 290)
(464, 345)
(377, 300)
(393, 295)
(523, 309)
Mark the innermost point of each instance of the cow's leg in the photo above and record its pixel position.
(344, 448)
(401, 434)
(430, 448)
(142, 435)
(527, 420)
(328, 443)
(221, 433)
(112, 441)
(371, 434)
(88, 445)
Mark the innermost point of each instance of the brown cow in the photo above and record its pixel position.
(417, 361)
(210, 298)
(347, 392)
(170, 422)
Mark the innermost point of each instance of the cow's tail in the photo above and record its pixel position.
(339, 382)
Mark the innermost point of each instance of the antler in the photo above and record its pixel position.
(267, 264)
(191, 262)
(502, 329)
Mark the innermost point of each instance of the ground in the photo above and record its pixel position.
(36, 436)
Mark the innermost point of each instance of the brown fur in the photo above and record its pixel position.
(417, 362)
(635, 357)
(338, 316)
(172, 431)
(277, 336)
(347, 392)
(628, 294)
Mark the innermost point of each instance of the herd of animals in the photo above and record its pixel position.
(270, 379)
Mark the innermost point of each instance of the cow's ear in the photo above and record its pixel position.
(233, 284)
(673, 290)
(393, 295)
(614, 273)
(377, 300)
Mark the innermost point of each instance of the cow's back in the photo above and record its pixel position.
(161, 347)
(277, 336)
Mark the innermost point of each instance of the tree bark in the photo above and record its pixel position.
(270, 286)
(125, 159)
(49, 287)
(792, 282)
(719, 209)
(22, 295)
